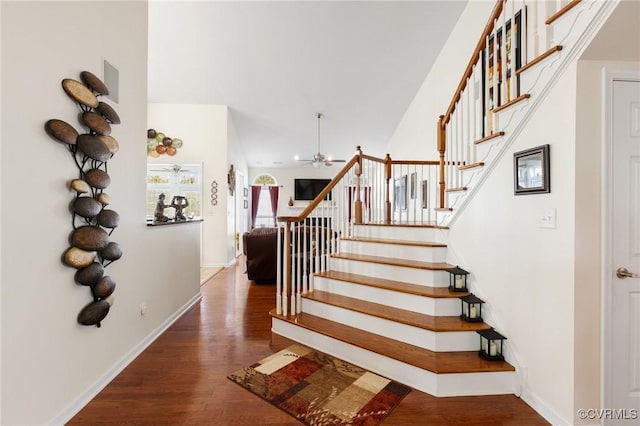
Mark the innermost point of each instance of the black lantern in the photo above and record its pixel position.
(457, 279)
(471, 308)
(491, 344)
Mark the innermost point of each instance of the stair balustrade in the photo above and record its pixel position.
(367, 190)
(516, 34)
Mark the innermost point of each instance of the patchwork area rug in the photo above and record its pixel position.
(319, 389)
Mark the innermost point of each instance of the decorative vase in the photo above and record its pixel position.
(290, 201)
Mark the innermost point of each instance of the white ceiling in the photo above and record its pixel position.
(276, 64)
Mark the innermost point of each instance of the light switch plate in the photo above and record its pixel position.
(547, 218)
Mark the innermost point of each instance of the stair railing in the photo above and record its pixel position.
(516, 34)
(367, 190)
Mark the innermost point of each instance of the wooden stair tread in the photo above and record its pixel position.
(394, 242)
(438, 266)
(405, 224)
(457, 189)
(540, 58)
(437, 362)
(418, 290)
(415, 319)
(562, 11)
(471, 166)
(512, 101)
(489, 137)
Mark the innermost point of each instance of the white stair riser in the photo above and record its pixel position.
(460, 384)
(426, 339)
(425, 277)
(402, 233)
(424, 254)
(410, 302)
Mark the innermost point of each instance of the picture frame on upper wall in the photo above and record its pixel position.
(414, 185)
(400, 193)
(531, 171)
(500, 81)
(425, 194)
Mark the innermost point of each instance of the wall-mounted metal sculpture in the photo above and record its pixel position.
(214, 193)
(158, 143)
(90, 248)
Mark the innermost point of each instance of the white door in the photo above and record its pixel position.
(624, 347)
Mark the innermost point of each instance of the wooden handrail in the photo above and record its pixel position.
(314, 203)
(356, 160)
(416, 163)
(371, 158)
(488, 29)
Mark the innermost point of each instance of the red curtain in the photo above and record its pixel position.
(273, 193)
(255, 198)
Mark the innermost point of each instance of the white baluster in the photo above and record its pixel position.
(279, 272)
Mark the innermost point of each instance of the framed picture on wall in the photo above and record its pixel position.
(425, 194)
(414, 184)
(400, 193)
(531, 171)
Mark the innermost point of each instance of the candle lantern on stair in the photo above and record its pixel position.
(471, 308)
(457, 279)
(491, 345)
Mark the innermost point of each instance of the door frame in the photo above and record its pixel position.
(609, 76)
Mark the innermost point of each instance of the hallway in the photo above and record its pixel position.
(181, 377)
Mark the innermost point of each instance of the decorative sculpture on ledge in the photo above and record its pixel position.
(91, 249)
(179, 202)
(159, 215)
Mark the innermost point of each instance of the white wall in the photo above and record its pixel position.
(588, 255)
(236, 211)
(51, 365)
(203, 130)
(415, 135)
(523, 272)
(285, 177)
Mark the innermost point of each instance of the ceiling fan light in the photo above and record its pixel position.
(317, 164)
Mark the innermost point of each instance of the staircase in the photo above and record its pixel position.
(408, 330)
(374, 291)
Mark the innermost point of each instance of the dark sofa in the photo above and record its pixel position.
(261, 244)
(260, 247)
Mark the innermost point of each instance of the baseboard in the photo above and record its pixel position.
(84, 398)
(543, 409)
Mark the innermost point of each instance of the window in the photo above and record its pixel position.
(265, 214)
(264, 188)
(172, 180)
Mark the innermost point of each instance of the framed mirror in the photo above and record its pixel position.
(531, 171)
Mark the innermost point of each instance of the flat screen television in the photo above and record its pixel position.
(308, 189)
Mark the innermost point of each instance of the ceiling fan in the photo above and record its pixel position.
(320, 160)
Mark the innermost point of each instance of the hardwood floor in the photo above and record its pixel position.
(180, 379)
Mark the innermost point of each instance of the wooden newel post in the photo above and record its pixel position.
(442, 148)
(358, 202)
(387, 195)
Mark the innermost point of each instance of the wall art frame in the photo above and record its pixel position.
(531, 171)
